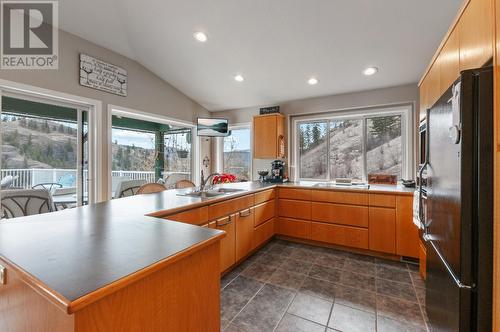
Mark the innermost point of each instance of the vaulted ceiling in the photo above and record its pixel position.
(276, 45)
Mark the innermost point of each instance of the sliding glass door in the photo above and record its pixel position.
(46, 146)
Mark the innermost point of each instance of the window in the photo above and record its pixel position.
(353, 146)
(237, 154)
(146, 150)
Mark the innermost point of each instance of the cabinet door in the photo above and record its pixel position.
(476, 34)
(406, 231)
(265, 137)
(263, 232)
(382, 229)
(449, 59)
(244, 232)
(227, 244)
(294, 209)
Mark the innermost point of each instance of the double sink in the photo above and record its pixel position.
(211, 193)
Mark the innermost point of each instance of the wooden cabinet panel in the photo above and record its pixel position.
(227, 244)
(225, 208)
(424, 98)
(382, 200)
(267, 131)
(198, 216)
(294, 209)
(264, 196)
(264, 212)
(422, 255)
(244, 232)
(382, 230)
(263, 232)
(294, 227)
(341, 235)
(292, 193)
(406, 231)
(433, 84)
(340, 214)
(449, 59)
(341, 197)
(475, 29)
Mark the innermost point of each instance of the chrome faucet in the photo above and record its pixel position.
(203, 181)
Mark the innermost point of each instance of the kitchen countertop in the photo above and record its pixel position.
(72, 253)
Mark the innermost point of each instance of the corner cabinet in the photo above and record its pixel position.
(269, 136)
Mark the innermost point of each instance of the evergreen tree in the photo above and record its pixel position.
(316, 134)
(386, 126)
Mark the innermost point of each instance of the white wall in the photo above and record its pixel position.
(146, 91)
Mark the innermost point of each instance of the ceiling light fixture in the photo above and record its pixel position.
(312, 81)
(239, 78)
(200, 36)
(370, 71)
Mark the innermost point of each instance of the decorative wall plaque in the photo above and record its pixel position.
(103, 76)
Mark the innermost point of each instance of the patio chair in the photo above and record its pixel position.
(50, 186)
(128, 188)
(7, 181)
(150, 188)
(184, 184)
(172, 179)
(24, 202)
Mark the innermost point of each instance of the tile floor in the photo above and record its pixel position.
(290, 287)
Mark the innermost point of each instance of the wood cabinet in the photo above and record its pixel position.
(341, 214)
(294, 227)
(475, 29)
(294, 209)
(341, 197)
(382, 229)
(406, 232)
(264, 196)
(294, 193)
(244, 232)
(264, 212)
(422, 255)
(263, 232)
(225, 208)
(449, 58)
(269, 136)
(198, 216)
(227, 244)
(343, 235)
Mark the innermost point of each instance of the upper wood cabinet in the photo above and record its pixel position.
(269, 136)
(475, 29)
(449, 61)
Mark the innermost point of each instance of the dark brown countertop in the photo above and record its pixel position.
(72, 253)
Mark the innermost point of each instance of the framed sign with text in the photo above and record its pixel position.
(103, 76)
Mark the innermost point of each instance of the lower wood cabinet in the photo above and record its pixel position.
(198, 216)
(263, 232)
(227, 244)
(342, 235)
(294, 227)
(294, 209)
(422, 259)
(340, 214)
(244, 232)
(407, 238)
(382, 229)
(264, 212)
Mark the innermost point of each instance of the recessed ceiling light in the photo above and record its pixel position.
(312, 81)
(200, 36)
(239, 78)
(370, 71)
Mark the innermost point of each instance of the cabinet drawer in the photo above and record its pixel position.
(291, 193)
(198, 216)
(222, 209)
(264, 196)
(340, 214)
(382, 200)
(382, 230)
(264, 212)
(263, 232)
(227, 244)
(341, 235)
(293, 227)
(294, 209)
(341, 197)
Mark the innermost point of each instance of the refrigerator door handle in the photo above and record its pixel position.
(427, 238)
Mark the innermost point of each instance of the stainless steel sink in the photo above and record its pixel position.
(211, 193)
(337, 185)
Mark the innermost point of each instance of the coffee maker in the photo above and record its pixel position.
(277, 171)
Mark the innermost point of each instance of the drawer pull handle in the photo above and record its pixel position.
(3, 275)
(245, 213)
(221, 222)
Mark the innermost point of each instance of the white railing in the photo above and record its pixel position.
(28, 177)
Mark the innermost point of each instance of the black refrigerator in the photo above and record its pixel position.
(457, 200)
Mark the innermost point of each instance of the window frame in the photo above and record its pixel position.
(220, 148)
(406, 111)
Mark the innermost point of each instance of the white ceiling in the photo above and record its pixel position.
(275, 44)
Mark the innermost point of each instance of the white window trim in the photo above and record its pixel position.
(219, 162)
(407, 119)
(94, 107)
(140, 115)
